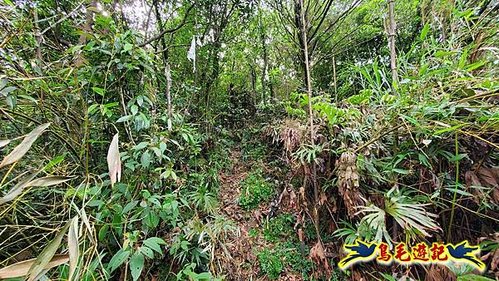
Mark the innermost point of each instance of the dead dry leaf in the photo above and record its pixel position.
(114, 161)
(46, 255)
(21, 269)
(20, 150)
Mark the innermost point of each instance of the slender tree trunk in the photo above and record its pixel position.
(38, 37)
(311, 120)
(168, 95)
(391, 40)
(265, 55)
(335, 82)
(301, 24)
(166, 66)
(89, 20)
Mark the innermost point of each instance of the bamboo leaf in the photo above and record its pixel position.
(24, 146)
(113, 161)
(73, 248)
(46, 255)
(4, 143)
(22, 268)
(16, 190)
(48, 181)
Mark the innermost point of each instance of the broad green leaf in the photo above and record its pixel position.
(32, 99)
(134, 109)
(129, 206)
(151, 220)
(46, 255)
(147, 252)
(145, 160)
(21, 269)
(114, 161)
(141, 145)
(124, 118)
(20, 150)
(98, 90)
(117, 260)
(127, 47)
(92, 108)
(136, 265)
(154, 243)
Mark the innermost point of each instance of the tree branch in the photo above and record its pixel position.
(161, 34)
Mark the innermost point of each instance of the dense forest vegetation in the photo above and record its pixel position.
(246, 139)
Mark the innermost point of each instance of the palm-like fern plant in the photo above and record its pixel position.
(409, 214)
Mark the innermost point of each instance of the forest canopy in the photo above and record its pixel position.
(249, 139)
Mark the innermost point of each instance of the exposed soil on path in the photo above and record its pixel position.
(241, 262)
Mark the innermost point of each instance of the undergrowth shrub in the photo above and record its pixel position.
(255, 189)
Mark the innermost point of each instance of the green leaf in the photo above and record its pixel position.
(141, 145)
(475, 65)
(11, 101)
(7, 90)
(401, 171)
(124, 118)
(54, 162)
(127, 47)
(145, 160)
(35, 101)
(136, 265)
(424, 32)
(473, 277)
(91, 109)
(147, 252)
(103, 232)
(135, 109)
(449, 129)
(117, 260)
(152, 220)
(154, 243)
(99, 91)
(129, 206)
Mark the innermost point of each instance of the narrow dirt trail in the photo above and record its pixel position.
(242, 262)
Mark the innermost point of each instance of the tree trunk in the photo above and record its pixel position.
(265, 56)
(391, 41)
